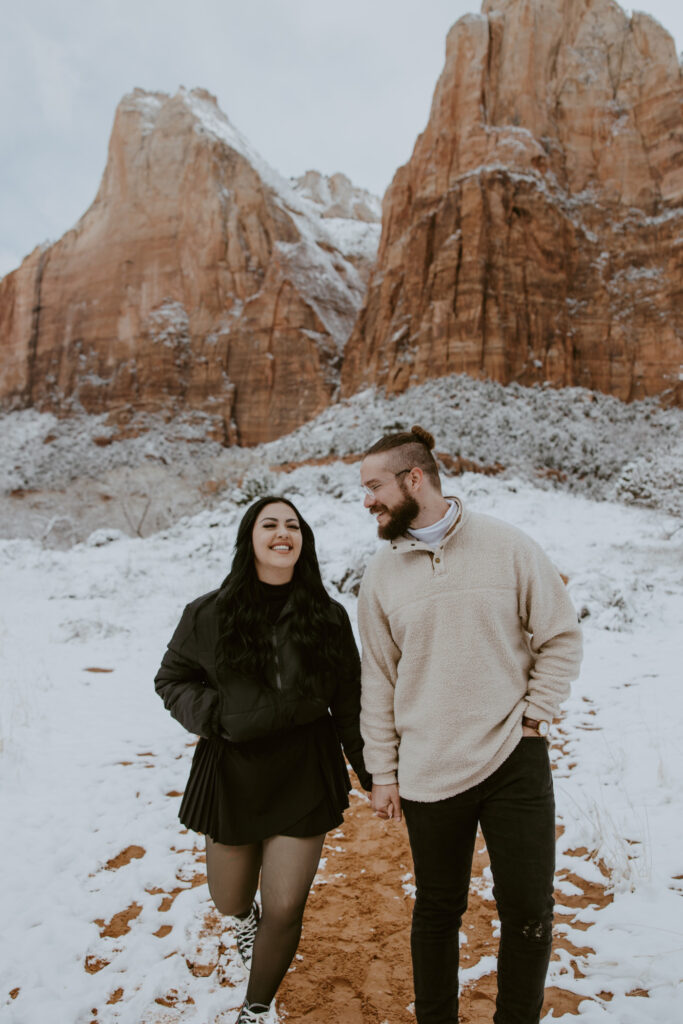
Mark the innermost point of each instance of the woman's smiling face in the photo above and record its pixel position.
(276, 539)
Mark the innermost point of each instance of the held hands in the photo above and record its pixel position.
(386, 803)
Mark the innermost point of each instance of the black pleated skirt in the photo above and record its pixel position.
(293, 784)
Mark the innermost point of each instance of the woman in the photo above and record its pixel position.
(265, 670)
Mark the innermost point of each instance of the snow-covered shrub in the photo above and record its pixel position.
(339, 481)
(105, 535)
(254, 485)
(349, 580)
(604, 604)
(627, 865)
(657, 483)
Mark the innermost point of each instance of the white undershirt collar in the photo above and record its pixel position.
(435, 533)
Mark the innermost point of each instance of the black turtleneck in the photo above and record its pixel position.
(274, 597)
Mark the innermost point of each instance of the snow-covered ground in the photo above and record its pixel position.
(90, 760)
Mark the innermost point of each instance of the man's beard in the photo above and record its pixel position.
(400, 518)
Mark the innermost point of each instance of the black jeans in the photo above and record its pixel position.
(516, 809)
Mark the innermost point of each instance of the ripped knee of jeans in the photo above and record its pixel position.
(537, 930)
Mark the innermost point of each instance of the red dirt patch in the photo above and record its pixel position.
(583, 926)
(168, 899)
(173, 999)
(93, 668)
(120, 923)
(212, 486)
(162, 932)
(125, 857)
(14, 993)
(454, 464)
(591, 893)
(321, 460)
(115, 997)
(168, 1000)
(560, 1001)
(199, 970)
(93, 964)
(194, 881)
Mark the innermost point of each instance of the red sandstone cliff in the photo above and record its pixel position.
(198, 279)
(535, 233)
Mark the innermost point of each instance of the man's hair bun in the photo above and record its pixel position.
(414, 456)
(423, 436)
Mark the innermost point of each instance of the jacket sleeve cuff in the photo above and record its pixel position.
(384, 779)
(538, 714)
(216, 728)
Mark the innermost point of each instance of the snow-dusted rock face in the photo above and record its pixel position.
(198, 279)
(535, 232)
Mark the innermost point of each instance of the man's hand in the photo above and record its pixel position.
(386, 803)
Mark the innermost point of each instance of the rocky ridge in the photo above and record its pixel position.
(534, 235)
(199, 279)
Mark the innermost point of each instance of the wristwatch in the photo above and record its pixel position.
(541, 728)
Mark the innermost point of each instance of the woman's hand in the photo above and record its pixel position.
(386, 803)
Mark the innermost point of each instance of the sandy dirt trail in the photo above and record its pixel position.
(356, 958)
(353, 964)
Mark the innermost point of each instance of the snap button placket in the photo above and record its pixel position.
(438, 568)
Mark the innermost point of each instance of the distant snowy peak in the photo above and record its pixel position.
(350, 217)
(337, 196)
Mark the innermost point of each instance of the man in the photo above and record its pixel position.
(469, 644)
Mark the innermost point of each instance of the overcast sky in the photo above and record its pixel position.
(336, 86)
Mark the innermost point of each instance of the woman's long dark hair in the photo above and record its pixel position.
(245, 633)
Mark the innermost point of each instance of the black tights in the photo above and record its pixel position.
(287, 867)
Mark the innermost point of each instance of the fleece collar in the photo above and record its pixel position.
(405, 544)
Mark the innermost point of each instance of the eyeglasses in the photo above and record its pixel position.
(372, 491)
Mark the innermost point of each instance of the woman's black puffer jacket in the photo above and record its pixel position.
(234, 705)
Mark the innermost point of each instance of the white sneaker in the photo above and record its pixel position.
(253, 1013)
(245, 933)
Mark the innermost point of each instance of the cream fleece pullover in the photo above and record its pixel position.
(460, 642)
